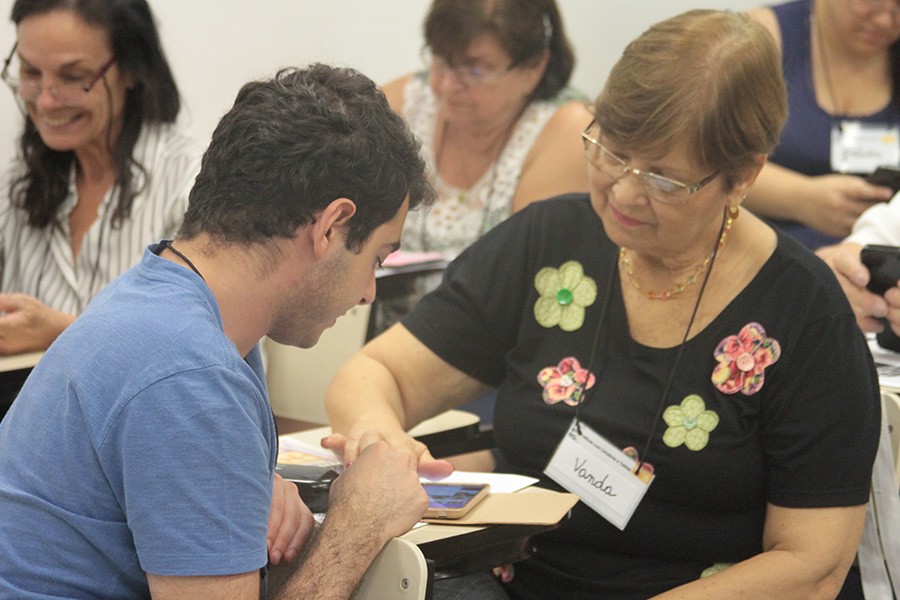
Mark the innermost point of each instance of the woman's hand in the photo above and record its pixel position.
(836, 201)
(853, 276)
(28, 325)
(350, 448)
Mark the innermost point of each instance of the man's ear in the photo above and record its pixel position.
(330, 226)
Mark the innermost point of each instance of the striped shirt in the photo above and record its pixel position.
(39, 262)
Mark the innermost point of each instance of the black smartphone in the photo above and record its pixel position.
(453, 500)
(883, 263)
(313, 482)
(886, 176)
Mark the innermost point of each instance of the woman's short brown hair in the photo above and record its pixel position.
(711, 77)
(523, 28)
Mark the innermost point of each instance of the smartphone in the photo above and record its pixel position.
(313, 482)
(453, 500)
(883, 263)
(886, 176)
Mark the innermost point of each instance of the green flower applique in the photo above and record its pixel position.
(565, 293)
(689, 424)
(716, 568)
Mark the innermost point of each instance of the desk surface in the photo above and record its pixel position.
(19, 361)
(475, 549)
(461, 549)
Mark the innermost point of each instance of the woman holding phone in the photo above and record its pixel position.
(841, 59)
(876, 309)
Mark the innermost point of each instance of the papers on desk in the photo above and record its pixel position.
(298, 451)
(403, 261)
(292, 451)
(501, 483)
(887, 363)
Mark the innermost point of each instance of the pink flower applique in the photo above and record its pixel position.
(646, 473)
(566, 382)
(743, 359)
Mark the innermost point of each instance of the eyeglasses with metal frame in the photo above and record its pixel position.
(69, 92)
(659, 188)
(470, 75)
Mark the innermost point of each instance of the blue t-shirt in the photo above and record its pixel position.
(142, 442)
(805, 144)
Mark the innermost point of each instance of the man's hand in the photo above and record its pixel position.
(290, 522)
(379, 492)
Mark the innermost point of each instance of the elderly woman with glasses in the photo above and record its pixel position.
(497, 123)
(101, 172)
(694, 376)
(841, 61)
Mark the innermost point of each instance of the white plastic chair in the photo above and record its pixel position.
(879, 550)
(298, 377)
(399, 572)
(891, 402)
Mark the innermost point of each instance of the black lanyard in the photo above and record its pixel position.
(168, 244)
(585, 394)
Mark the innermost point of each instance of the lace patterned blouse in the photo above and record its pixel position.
(459, 217)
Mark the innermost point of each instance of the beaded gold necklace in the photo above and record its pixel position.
(692, 278)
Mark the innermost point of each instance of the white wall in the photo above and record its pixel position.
(215, 46)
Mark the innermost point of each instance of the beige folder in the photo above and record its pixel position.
(533, 506)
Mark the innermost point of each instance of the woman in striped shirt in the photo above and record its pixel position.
(101, 170)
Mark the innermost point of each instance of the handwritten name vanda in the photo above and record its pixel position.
(600, 484)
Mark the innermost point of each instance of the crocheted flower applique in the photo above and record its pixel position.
(565, 293)
(743, 359)
(689, 424)
(566, 382)
(716, 568)
(646, 473)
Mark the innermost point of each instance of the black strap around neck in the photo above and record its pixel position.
(168, 244)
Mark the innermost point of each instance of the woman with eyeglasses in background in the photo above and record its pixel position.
(497, 122)
(841, 61)
(696, 377)
(101, 169)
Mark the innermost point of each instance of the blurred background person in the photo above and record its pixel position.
(101, 170)
(498, 123)
(494, 113)
(841, 62)
(880, 225)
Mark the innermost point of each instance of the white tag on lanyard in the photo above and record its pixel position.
(599, 473)
(861, 147)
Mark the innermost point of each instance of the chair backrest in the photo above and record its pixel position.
(891, 402)
(879, 549)
(399, 572)
(298, 377)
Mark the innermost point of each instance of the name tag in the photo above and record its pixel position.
(599, 473)
(861, 147)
